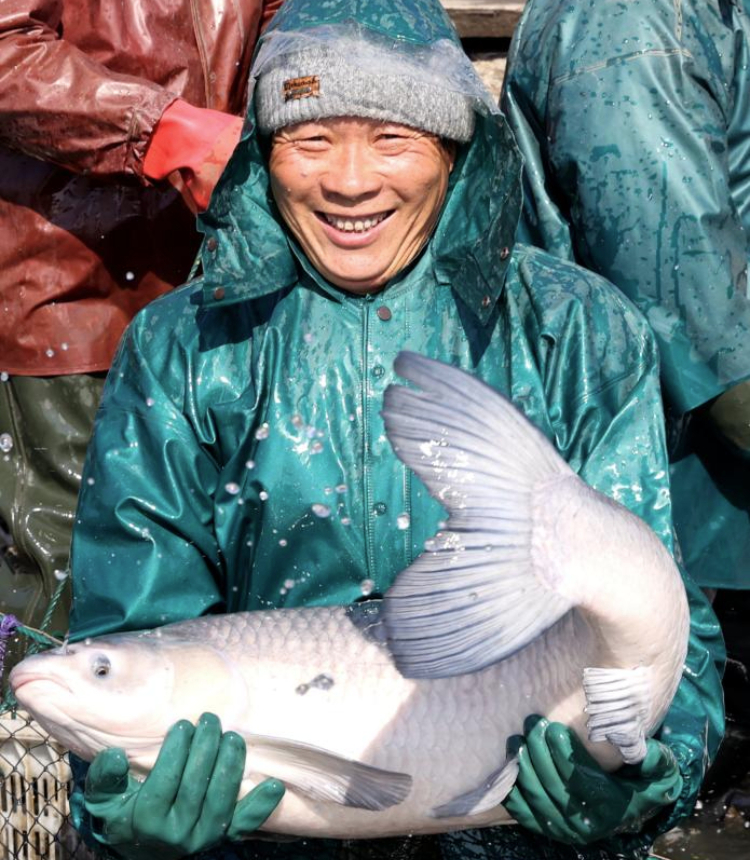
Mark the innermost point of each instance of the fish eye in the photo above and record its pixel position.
(101, 666)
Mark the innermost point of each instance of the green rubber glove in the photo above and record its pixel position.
(187, 803)
(561, 792)
(729, 416)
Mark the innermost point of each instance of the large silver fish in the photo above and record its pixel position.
(541, 596)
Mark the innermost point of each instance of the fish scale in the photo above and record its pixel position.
(443, 732)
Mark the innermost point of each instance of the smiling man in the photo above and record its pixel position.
(240, 459)
(361, 197)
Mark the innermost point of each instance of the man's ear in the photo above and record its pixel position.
(450, 148)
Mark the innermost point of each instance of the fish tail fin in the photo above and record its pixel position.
(482, 459)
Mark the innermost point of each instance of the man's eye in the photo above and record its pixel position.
(311, 144)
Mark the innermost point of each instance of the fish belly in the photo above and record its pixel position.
(313, 677)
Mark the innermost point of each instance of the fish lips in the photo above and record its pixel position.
(21, 677)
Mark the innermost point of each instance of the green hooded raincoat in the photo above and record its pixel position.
(239, 459)
(634, 124)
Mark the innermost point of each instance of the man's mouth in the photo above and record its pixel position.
(360, 224)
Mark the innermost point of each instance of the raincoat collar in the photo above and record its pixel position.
(247, 252)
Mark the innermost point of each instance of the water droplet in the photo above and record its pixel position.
(6, 442)
(250, 464)
(263, 495)
(49, 353)
(308, 337)
(64, 347)
(129, 276)
(87, 640)
(283, 542)
(320, 510)
(403, 521)
(316, 447)
(367, 586)
(289, 583)
(4, 377)
(322, 682)
(232, 488)
(262, 432)
(346, 521)
(297, 420)
(90, 482)
(61, 575)
(341, 488)
(150, 401)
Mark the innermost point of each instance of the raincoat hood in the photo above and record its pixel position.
(249, 252)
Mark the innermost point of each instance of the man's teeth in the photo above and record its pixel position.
(355, 225)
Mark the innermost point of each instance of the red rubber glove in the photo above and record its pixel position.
(190, 147)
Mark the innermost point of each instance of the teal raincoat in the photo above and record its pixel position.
(239, 459)
(634, 124)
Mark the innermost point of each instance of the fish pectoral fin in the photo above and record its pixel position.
(617, 702)
(488, 795)
(323, 775)
(479, 593)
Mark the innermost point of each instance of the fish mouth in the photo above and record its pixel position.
(18, 680)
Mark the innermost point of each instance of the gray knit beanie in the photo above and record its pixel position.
(319, 82)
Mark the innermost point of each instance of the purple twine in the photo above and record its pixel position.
(8, 625)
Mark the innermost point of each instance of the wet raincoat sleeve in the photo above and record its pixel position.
(627, 133)
(601, 374)
(60, 105)
(147, 553)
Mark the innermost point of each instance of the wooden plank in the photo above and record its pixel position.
(484, 19)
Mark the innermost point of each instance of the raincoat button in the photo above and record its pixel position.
(505, 253)
(384, 313)
(219, 293)
(379, 508)
(378, 371)
(211, 243)
(486, 301)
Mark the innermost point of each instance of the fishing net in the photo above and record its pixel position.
(35, 775)
(34, 782)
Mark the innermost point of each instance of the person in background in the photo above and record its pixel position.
(239, 459)
(634, 123)
(115, 122)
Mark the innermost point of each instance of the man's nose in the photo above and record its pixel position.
(352, 173)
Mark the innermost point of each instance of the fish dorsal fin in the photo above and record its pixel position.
(323, 775)
(475, 596)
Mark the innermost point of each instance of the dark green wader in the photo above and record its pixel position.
(45, 425)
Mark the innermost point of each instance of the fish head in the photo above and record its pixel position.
(113, 691)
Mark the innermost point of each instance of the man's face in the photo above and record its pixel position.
(360, 196)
